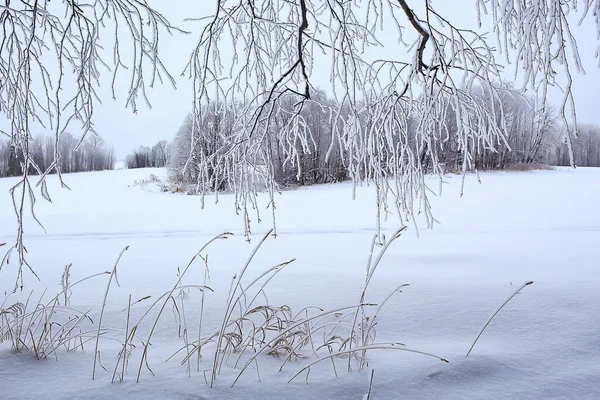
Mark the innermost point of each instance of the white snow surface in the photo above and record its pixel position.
(541, 226)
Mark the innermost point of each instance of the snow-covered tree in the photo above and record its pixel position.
(158, 154)
(197, 146)
(434, 70)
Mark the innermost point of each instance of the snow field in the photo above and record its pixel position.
(542, 226)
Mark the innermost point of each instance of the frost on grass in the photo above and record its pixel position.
(251, 327)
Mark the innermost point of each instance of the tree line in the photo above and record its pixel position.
(531, 136)
(93, 154)
(145, 157)
(586, 148)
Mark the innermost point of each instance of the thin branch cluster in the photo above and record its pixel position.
(50, 68)
(434, 70)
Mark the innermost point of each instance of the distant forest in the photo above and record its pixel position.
(530, 138)
(93, 154)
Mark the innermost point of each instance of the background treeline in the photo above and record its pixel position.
(532, 137)
(93, 155)
(586, 148)
(195, 149)
(144, 157)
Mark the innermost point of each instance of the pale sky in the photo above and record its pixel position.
(127, 131)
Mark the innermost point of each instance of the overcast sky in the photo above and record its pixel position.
(127, 131)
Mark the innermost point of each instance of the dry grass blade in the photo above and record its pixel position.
(168, 297)
(375, 346)
(496, 312)
(370, 384)
(371, 324)
(65, 281)
(49, 326)
(123, 353)
(43, 330)
(15, 310)
(66, 334)
(273, 271)
(201, 319)
(231, 304)
(78, 282)
(360, 319)
(112, 274)
(283, 334)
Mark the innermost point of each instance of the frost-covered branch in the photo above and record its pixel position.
(442, 77)
(537, 36)
(50, 62)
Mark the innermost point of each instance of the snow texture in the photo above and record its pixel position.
(542, 226)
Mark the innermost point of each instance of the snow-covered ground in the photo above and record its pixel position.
(541, 226)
